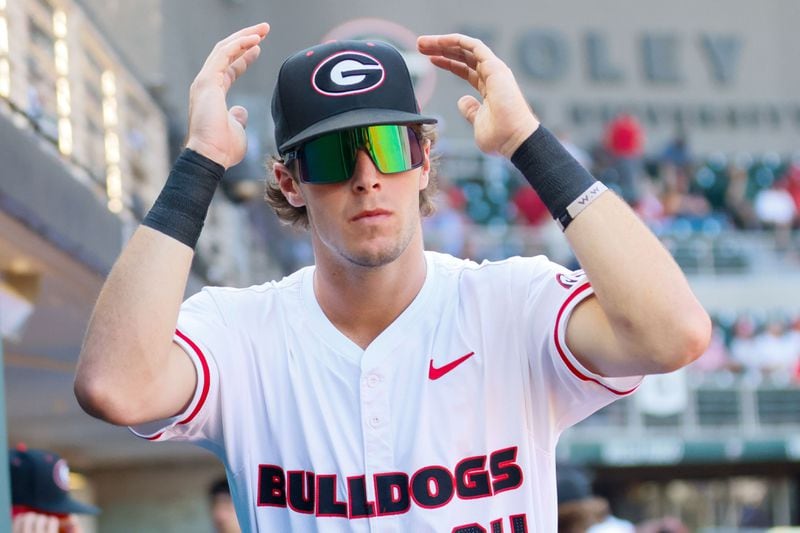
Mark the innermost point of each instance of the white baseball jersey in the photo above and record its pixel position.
(447, 422)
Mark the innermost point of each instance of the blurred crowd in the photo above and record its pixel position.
(671, 189)
(759, 349)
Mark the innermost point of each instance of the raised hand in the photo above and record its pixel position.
(214, 130)
(503, 119)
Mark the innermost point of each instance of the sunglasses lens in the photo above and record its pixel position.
(331, 158)
(394, 148)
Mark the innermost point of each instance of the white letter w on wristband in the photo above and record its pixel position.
(581, 202)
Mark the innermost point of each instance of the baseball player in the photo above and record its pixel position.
(384, 388)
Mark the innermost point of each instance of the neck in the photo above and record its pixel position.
(363, 301)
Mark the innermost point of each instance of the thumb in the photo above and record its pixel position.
(239, 114)
(468, 106)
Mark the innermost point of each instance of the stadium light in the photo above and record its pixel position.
(60, 24)
(5, 78)
(3, 34)
(110, 117)
(61, 58)
(63, 102)
(108, 82)
(5, 67)
(64, 136)
(114, 188)
(112, 148)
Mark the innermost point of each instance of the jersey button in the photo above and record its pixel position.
(375, 421)
(373, 380)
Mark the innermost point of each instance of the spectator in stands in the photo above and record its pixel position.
(578, 507)
(777, 352)
(677, 197)
(668, 524)
(743, 349)
(716, 360)
(624, 140)
(791, 182)
(650, 207)
(223, 512)
(40, 498)
(530, 208)
(794, 335)
(776, 211)
(737, 204)
(678, 153)
(675, 169)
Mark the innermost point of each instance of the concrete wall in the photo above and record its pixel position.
(748, 69)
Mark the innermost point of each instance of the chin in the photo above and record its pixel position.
(375, 257)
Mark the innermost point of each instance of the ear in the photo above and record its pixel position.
(425, 175)
(289, 185)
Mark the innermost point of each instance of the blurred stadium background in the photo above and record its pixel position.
(690, 110)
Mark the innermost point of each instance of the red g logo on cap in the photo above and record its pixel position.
(61, 474)
(346, 73)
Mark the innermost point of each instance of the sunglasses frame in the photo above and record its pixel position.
(296, 154)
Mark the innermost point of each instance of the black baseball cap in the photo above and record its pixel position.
(40, 481)
(339, 85)
(572, 484)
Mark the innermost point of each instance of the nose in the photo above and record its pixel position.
(365, 175)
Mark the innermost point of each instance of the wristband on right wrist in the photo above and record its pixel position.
(180, 210)
(564, 186)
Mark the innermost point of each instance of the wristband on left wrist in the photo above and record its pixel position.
(564, 186)
(181, 208)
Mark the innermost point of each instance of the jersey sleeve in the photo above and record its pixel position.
(574, 391)
(201, 333)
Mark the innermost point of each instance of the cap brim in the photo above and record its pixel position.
(70, 506)
(354, 118)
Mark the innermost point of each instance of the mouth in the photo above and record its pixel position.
(371, 214)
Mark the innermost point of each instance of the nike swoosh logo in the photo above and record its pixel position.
(435, 373)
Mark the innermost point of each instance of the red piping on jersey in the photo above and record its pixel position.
(572, 368)
(206, 380)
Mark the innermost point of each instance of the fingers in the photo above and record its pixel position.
(35, 523)
(226, 53)
(223, 57)
(466, 57)
(239, 114)
(240, 65)
(468, 106)
(455, 46)
(261, 29)
(459, 69)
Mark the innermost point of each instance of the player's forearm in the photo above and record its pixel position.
(655, 320)
(646, 298)
(130, 332)
(125, 358)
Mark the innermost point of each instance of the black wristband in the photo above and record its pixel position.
(180, 210)
(562, 183)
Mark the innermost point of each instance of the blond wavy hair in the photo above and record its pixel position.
(298, 216)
